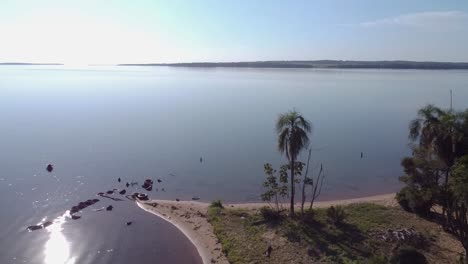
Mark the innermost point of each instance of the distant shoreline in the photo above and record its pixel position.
(295, 64)
(319, 64)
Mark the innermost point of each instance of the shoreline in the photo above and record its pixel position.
(190, 217)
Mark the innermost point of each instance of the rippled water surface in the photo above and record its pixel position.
(97, 124)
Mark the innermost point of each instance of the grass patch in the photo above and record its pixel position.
(245, 235)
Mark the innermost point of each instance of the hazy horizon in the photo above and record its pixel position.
(89, 32)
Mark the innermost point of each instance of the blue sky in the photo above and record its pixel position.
(140, 31)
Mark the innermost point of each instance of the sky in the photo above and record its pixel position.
(152, 31)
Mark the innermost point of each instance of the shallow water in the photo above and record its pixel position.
(96, 124)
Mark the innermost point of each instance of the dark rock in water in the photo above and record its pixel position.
(110, 192)
(40, 226)
(118, 179)
(140, 196)
(129, 223)
(109, 208)
(100, 193)
(177, 199)
(163, 190)
(34, 227)
(123, 191)
(128, 184)
(75, 217)
(148, 185)
(196, 198)
(49, 168)
(74, 209)
(159, 180)
(82, 205)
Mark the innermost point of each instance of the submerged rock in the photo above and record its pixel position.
(34, 227)
(109, 208)
(122, 192)
(129, 223)
(40, 226)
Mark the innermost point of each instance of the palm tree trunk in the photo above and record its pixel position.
(465, 246)
(291, 206)
(303, 198)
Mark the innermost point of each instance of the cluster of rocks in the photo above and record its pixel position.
(148, 185)
(404, 235)
(82, 205)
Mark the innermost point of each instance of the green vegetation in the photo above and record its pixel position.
(436, 175)
(336, 215)
(276, 187)
(364, 236)
(217, 203)
(292, 129)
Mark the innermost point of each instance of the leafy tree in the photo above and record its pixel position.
(437, 172)
(276, 187)
(422, 178)
(443, 134)
(292, 129)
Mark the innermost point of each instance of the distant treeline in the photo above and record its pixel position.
(322, 64)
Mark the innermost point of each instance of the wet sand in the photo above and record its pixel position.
(191, 218)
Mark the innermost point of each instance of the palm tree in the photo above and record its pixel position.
(441, 134)
(292, 129)
(435, 130)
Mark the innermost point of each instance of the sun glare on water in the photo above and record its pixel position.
(57, 248)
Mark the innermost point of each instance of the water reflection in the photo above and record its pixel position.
(57, 248)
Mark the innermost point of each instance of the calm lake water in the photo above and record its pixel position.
(96, 124)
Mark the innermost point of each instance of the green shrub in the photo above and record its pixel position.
(308, 217)
(336, 215)
(216, 204)
(269, 214)
(402, 200)
(414, 200)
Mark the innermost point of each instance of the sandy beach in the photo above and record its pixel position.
(190, 217)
